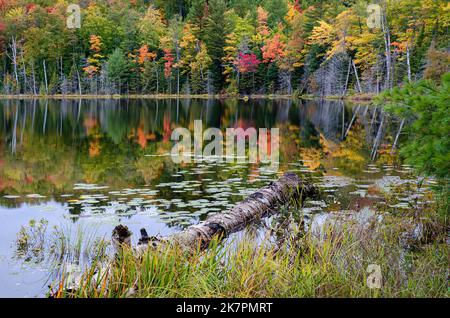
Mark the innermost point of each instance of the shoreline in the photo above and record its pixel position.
(354, 98)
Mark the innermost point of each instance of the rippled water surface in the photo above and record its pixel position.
(91, 164)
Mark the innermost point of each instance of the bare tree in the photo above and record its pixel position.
(408, 62)
(13, 57)
(79, 82)
(357, 77)
(24, 72)
(347, 78)
(45, 77)
(331, 77)
(34, 78)
(387, 45)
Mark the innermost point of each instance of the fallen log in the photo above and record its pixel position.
(262, 203)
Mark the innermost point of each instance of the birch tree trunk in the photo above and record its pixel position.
(24, 72)
(347, 78)
(79, 82)
(178, 81)
(289, 83)
(357, 77)
(353, 119)
(408, 62)
(34, 78)
(45, 77)
(398, 135)
(378, 75)
(61, 66)
(377, 139)
(157, 77)
(387, 44)
(13, 57)
(14, 134)
(266, 201)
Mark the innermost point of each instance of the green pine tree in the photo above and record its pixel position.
(118, 68)
(215, 32)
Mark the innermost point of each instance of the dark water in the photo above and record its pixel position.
(89, 165)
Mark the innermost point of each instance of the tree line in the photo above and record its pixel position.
(230, 47)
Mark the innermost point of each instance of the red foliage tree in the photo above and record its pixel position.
(168, 57)
(247, 62)
(298, 6)
(273, 49)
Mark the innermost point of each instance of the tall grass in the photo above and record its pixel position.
(333, 264)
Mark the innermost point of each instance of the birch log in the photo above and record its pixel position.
(263, 202)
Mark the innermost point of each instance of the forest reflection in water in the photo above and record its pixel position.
(67, 149)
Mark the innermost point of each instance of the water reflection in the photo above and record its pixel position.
(152, 120)
(86, 154)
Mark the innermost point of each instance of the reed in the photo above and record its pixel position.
(332, 264)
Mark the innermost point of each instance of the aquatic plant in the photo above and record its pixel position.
(30, 240)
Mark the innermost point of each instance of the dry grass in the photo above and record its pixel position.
(333, 264)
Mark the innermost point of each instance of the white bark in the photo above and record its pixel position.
(13, 58)
(79, 82)
(348, 76)
(24, 71)
(377, 139)
(408, 62)
(34, 78)
(357, 77)
(45, 77)
(387, 44)
(398, 135)
(351, 122)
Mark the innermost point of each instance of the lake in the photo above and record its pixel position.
(88, 165)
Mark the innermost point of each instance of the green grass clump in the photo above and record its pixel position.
(333, 264)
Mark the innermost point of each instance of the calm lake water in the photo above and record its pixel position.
(88, 165)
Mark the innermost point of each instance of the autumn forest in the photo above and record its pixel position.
(230, 47)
